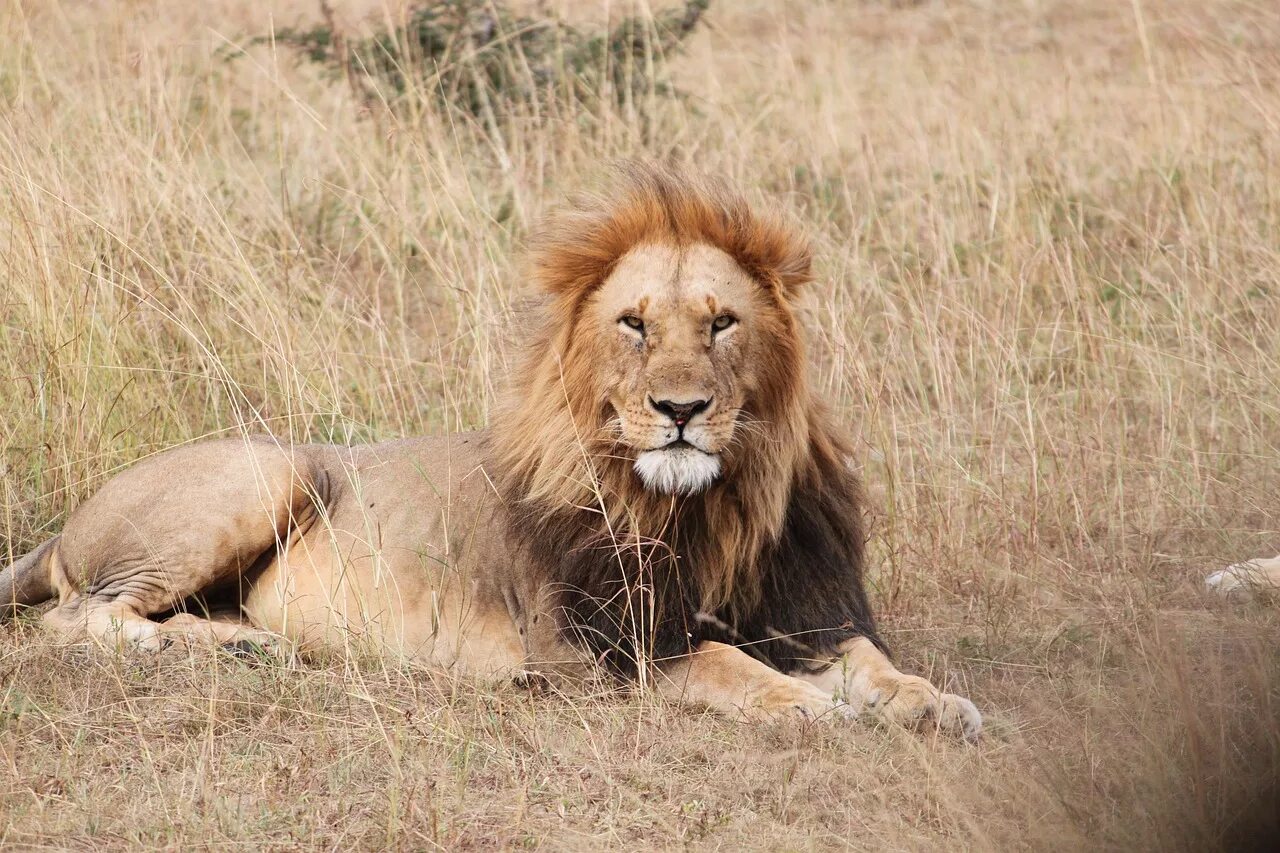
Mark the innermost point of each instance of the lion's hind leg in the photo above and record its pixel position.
(115, 624)
(220, 629)
(118, 626)
(181, 525)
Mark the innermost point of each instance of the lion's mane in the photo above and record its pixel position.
(770, 557)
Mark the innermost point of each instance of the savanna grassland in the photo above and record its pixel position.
(1047, 237)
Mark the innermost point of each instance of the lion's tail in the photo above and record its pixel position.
(26, 582)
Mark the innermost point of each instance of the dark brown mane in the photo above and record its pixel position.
(771, 555)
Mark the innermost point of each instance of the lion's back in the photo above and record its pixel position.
(426, 496)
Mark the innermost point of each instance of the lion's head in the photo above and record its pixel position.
(665, 400)
(673, 344)
(679, 336)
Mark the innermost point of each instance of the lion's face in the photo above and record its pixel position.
(678, 331)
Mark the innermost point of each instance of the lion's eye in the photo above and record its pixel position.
(631, 321)
(724, 321)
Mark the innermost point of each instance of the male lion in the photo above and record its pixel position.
(662, 496)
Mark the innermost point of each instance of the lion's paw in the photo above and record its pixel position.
(1244, 580)
(1226, 582)
(800, 702)
(911, 701)
(134, 636)
(259, 646)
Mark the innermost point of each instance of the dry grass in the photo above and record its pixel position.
(1049, 241)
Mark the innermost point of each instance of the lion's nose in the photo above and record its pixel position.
(680, 413)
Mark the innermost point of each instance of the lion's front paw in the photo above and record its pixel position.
(911, 701)
(800, 701)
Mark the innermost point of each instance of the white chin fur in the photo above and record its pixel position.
(680, 470)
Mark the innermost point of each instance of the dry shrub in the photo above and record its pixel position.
(481, 57)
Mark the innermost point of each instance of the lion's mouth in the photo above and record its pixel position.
(681, 443)
(678, 468)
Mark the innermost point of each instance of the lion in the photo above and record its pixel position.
(662, 496)
(1250, 579)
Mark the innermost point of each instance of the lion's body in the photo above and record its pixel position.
(660, 493)
(399, 544)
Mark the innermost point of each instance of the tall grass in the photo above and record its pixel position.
(1048, 238)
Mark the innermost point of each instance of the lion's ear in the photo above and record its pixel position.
(780, 256)
(795, 268)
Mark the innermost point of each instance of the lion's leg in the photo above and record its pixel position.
(730, 681)
(218, 629)
(179, 525)
(869, 682)
(121, 626)
(113, 623)
(1246, 578)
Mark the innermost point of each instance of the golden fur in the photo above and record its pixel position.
(671, 340)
